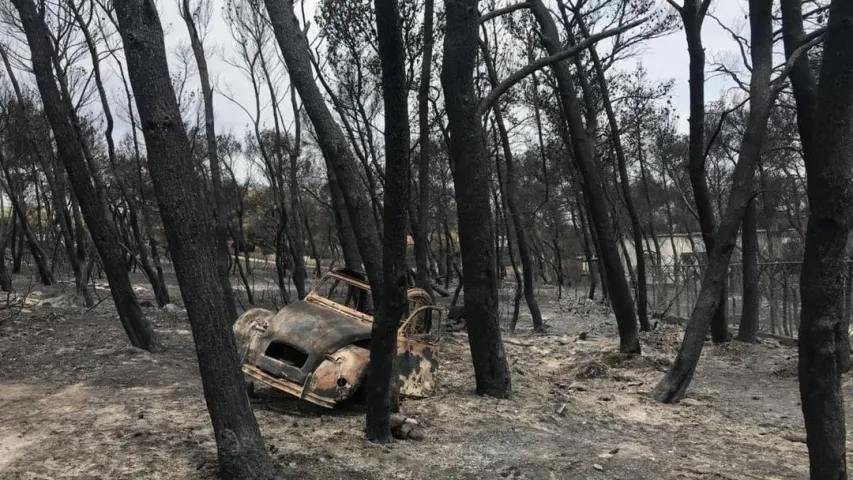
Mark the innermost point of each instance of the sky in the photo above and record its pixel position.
(664, 58)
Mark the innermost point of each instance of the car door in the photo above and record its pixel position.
(417, 350)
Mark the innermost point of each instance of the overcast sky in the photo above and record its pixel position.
(663, 58)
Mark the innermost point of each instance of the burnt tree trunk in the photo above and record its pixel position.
(300, 271)
(751, 293)
(332, 141)
(693, 15)
(510, 192)
(190, 229)
(673, 386)
(622, 161)
(219, 212)
(37, 252)
(422, 227)
(621, 299)
(825, 119)
(471, 183)
(70, 150)
(382, 388)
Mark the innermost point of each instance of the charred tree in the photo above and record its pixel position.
(510, 192)
(332, 141)
(693, 14)
(422, 227)
(627, 196)
(761, 96)
(395, 304)
(749, 246)
(825, 118)
(471, 183)
(190, 229)
(103, 231)
(221, 231)
(584, 152)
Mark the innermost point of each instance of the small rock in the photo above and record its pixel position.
(577, 387)
(614, 451)
(756, 397)
(397, 420)
(691, 402)
(606, 398)
(171, 308)
(598, 467)
(703, 469)
(65, 350)
(583, 336)
(140, 415)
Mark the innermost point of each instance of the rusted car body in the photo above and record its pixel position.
(317, 349)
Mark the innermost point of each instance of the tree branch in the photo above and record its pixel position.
(503, 11)
(487, 102)
(779, 82)
(676, 6)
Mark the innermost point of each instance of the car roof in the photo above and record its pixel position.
(351, 273)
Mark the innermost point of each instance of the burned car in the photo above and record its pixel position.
(318, 349)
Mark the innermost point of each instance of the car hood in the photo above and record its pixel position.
(314, 330)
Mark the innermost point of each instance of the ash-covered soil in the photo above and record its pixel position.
(77, 402)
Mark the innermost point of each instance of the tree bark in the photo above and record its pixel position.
(673, 386)
(332, 142)
(510, 191)
(300, 271)
(221, 231)
(825, 126)
(751, 293)
(471, 183)
(582, 144)
(693, 15)
(622, 162)
(190, 230)
(383, 385)
(422, 227)
(71, 152)
(19, 209)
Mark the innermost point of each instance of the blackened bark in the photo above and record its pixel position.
(221, 231)
(823, 332)
(395, 305)
(20, 211)
(17, 247)
(422, 227)
(5, 278)
(582, 144)
(71, 151)
(673, 386)
(622, 162)
(510, 191)
(471, 183)
(190, 230)
(300, 271)
(693, 15)
(332, 141)
(805, 87)
(346, 234)
(749, 246)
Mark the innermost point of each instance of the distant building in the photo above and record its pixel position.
(689, 248)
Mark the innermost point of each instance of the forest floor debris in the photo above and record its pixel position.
(76, 401)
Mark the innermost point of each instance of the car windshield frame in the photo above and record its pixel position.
(316, 296)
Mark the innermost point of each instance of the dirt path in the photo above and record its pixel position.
(76, 402)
